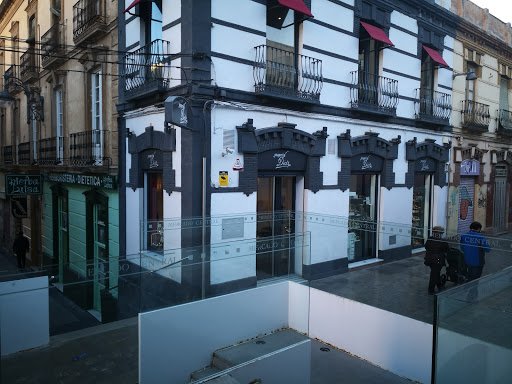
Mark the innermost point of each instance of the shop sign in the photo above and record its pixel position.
(23, 185)
(238, 165)
(282, 160)
(19, 207)
(425, 165)
(176, 111)
(366, 163)
(151, 160)
(469, 168)
(89, 180)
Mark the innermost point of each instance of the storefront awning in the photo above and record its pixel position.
(376, 33)
(297, 6)
(436, 56)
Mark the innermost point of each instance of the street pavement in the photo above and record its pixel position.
(108, 353)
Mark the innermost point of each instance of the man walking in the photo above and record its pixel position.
(474, 245)
(20, 248)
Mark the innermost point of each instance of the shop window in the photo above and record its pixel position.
(154, 214)
(422, 193)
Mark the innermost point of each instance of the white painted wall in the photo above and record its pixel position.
(396, 343)
(24, 314)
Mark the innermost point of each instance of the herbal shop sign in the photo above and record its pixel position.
(23, 185)
(89, 180)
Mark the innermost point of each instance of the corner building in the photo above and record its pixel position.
(324, 121)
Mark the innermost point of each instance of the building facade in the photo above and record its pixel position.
(480, 164)
(274, 118)
(60, 65)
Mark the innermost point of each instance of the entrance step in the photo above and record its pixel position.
(244, 352)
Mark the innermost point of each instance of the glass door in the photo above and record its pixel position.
(101, 267)
(422, 193)
(154, 212)
(275, 228)
(362, 232)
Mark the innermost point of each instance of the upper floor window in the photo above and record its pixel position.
(32, 27)
(471, 84)
(55, 10)
(150, 13)
(96, 101)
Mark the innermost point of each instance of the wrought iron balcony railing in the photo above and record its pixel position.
(505, 122)
(10, 74)
(29, 71)
(51, 151)
(24, 153)
(147, 70)
(475, 116)
(433, 106)
(8, 154)
(89, 20)
(53, 46)
(373, 93)
(87, 148)
(283, 73)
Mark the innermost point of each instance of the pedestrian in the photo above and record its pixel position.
(20, 248)
(435, 258)
(474, 245)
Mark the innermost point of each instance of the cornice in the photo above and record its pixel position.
(7, 11)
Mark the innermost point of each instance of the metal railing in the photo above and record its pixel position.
(87, 148)
(505, 120)
(88, 14)
(8, 154)
(28, 65)
(432, 105)
(475, 115)
(373, 92)
(148, 66)
(24, 153)
(51, 150)
(10, 74)
(285, 73)
(52, 45)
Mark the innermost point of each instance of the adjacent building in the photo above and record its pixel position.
(60, 131)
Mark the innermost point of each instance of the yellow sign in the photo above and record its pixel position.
(223, 178)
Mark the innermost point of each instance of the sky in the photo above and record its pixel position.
(502, 9)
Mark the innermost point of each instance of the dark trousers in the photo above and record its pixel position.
(20, 257)
(474, 272)
(435, 278)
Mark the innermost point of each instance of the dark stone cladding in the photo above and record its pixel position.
(395, 253)
(282, 136)
(232, 286)
(427, 149)
(325, 269)
(369, 143)
(151, 139)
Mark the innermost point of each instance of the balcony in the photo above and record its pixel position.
(89, 21)
(29, 71)
(147, 70)
(87, 148)
(24, 153)
(504, 123)
(12, 73)
(51, 151)
(475, 116)
(433, 107)
(281, 73)
(8, 154)
(53, 52)
(373, 94)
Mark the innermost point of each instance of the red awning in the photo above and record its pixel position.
(436, 56)
(376, 33)
(297, 6)
(133, 4)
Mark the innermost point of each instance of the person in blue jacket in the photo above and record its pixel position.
(474, 245)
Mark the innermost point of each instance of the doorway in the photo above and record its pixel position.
(500, 200)
(362, 231)
(275, 230)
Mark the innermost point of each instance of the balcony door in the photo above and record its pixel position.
(59, 126)
(427, 85)
(97, 136)
(276, 227)
(368, 76)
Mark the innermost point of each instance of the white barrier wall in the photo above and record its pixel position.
(176, 341)
(396, 343)
(24, 314)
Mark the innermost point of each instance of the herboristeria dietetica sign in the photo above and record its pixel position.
(90, 180)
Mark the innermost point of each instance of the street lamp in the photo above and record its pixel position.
(35, 102)
(471, 75)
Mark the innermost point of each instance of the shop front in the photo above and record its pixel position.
(469, 172)
(426, 169)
